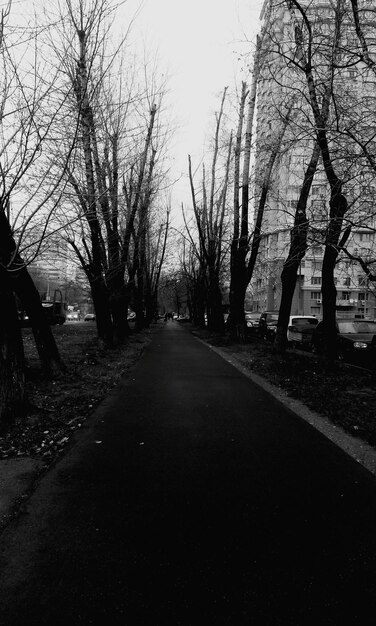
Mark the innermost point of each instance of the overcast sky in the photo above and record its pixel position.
(198, 43)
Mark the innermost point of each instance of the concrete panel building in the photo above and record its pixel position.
(282, 92)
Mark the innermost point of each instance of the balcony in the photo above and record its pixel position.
(346, 303)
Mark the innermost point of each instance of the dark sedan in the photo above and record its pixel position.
(252, 320)
(356, 341)
(268, 325)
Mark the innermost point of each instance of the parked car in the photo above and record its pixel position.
(300, 330)
(89, 317)
(356, 341)
(252, 320)
(73, 316)
(268, 325)
(183, 319)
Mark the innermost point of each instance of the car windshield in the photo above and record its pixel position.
(252, 316)
(361, 326)
(304, 321)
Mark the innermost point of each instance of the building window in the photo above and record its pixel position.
(316, 250)
(316, 280)
(317, 190)
(362, 281)
(346, 295)
(347, 281)
(318, 209)
(362, 295)
(285, 236)
(317, 265)
(274, 239)
(315, 295)
(365, 237)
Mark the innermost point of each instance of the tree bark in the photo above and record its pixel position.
(237, 268)
(12, 365)
(97, 262)
(23, 286)
(240, 242)
(338, 208)
(296, 254)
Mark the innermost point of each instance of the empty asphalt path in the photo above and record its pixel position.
(193, 498)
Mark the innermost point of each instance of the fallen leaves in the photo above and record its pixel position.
(59, 407)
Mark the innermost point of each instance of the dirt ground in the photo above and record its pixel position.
(59, 406)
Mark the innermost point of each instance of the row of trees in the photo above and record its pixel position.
(83, 161)
(313, 81)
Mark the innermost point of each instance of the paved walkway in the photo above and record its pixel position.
(193, 497)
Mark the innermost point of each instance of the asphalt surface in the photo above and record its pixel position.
(193, 497)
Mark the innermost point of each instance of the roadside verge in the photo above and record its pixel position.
(355, 447)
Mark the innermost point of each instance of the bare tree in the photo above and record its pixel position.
(298, 246)
(240, 240)
(323, 92)
(152, 256)
(209, 215)
(25, 128)
(113, 175)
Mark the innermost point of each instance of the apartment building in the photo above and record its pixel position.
(52, 268)
(282, 92)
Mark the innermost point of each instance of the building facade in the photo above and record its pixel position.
(282, 92)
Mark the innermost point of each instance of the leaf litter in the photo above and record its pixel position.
(58, 407)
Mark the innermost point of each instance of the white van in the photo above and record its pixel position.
(300, 329)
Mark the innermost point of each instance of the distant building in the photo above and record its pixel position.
(281, 86)
(50, 269)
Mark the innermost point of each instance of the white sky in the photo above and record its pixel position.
(198, 43)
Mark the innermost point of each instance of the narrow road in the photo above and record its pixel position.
(194, 498)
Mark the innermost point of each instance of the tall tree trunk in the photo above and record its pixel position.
(296, 253)
(263, 196)
(338, 208)
(214, 305)
(12, 366)
(97, 262)
(139, 299)
(101, 302)
(26, 291)
(119, 302)
(237, 267)
(214, 298)
(240, 243)
(199, 299)
(338, 203)
(23, 286)
(154, 273)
